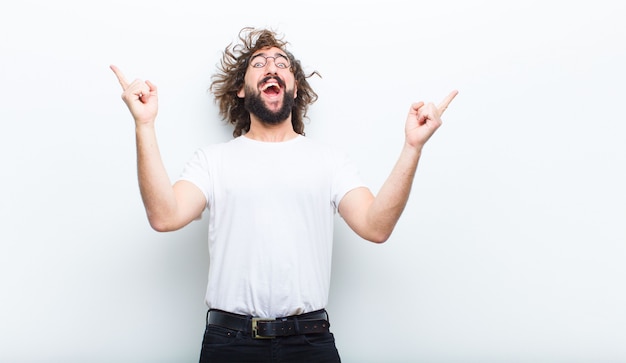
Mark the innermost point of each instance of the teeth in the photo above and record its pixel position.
(268, 85)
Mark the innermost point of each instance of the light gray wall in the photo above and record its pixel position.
(512, 247)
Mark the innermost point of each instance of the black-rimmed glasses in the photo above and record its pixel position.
(260, 61)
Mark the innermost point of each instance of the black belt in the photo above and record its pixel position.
(259, 328)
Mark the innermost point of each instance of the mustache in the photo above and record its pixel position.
(278, 80)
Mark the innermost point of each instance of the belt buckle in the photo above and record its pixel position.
(255, 333)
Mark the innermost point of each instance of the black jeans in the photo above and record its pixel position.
(221, 345)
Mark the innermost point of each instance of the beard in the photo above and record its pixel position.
(255, 105)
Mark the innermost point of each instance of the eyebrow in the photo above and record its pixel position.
(265, 54)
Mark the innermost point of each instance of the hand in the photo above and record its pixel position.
(423, 120)
(140, 97)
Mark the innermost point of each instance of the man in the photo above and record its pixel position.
(271, 196)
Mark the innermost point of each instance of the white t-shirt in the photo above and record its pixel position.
(271, 209)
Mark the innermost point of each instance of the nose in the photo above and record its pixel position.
(271, 67)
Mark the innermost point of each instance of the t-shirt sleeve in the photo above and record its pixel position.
(197, 172)
(346, 177)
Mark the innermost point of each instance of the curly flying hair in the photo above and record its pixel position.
(229, 79)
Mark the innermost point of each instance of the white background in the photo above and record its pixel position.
(512, 247)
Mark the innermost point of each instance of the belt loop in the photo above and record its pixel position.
(296, 325)
(250, 325)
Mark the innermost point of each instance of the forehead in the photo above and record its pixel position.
(269, 51)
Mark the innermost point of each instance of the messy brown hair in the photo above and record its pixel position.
(229, 79)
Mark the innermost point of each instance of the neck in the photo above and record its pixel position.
(270, 133)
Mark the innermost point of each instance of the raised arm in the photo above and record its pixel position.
(374, 218)
(168, 207)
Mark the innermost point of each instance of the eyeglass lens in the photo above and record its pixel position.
(260, 60)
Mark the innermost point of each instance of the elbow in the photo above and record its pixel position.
(159, 227)
(378, 237)
(374, 233)
(161, 224)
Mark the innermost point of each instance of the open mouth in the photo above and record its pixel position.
(271, 89)
(271, 86)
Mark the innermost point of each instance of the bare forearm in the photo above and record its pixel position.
(374, 218)
(168, 206)
(422, 121)
(392, 198)
(154, 184)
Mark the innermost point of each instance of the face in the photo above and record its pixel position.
(269, 86)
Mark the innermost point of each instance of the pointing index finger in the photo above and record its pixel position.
(120, 77)
(444, 104)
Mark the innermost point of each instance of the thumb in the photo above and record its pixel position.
(415, 107)
(152, 92)
(152, 87)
